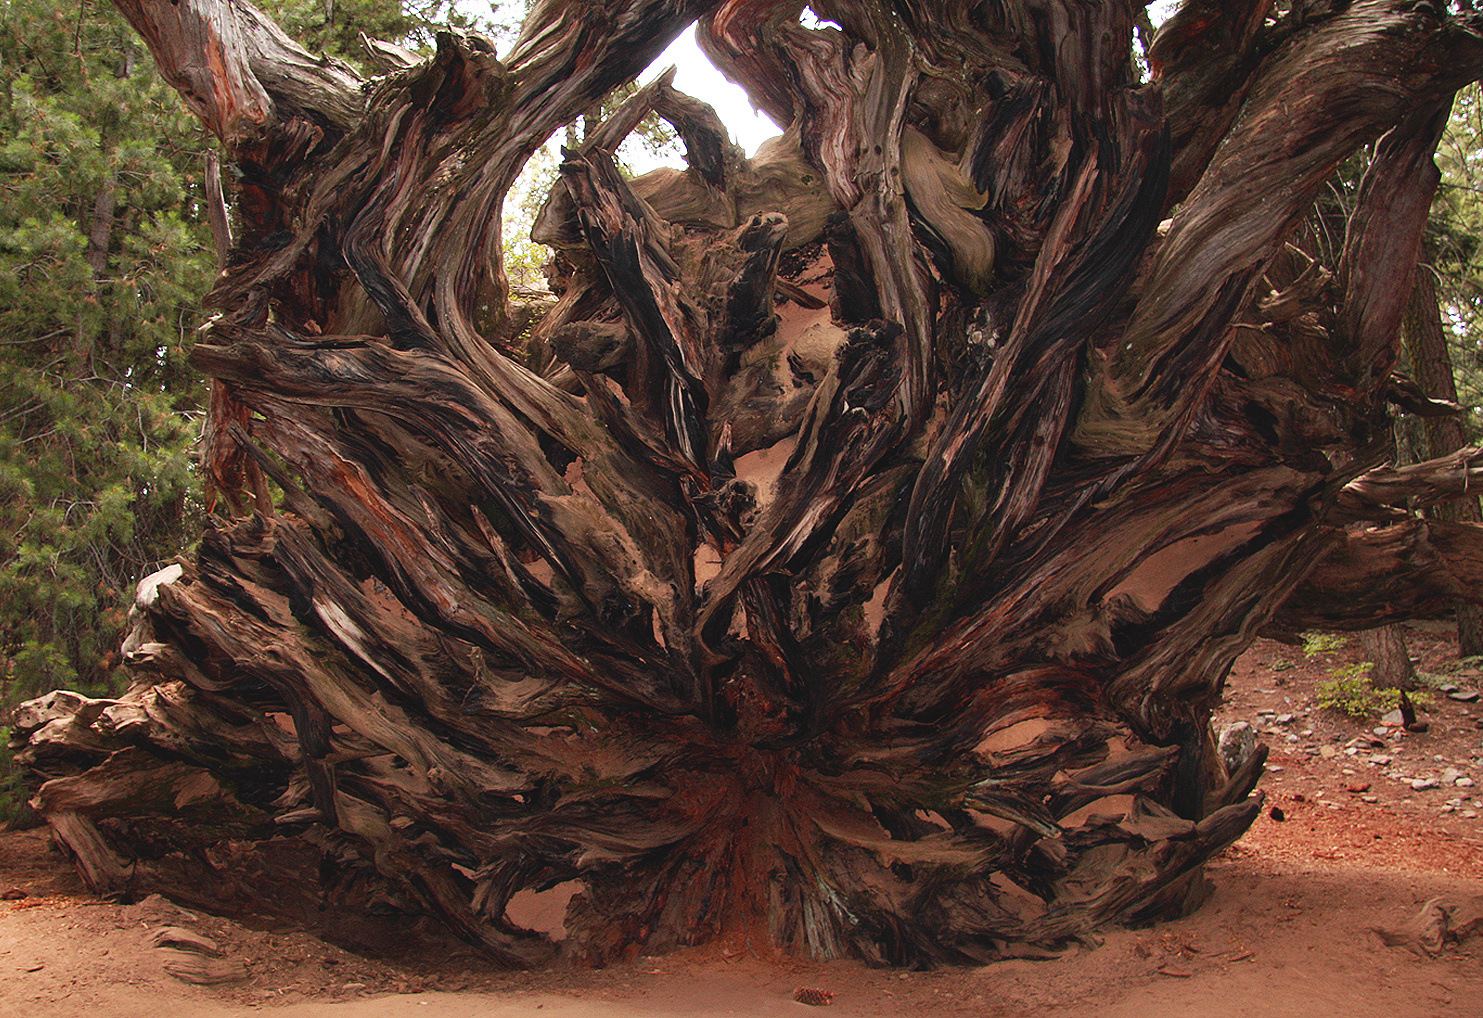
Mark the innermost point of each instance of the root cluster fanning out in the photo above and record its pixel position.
(849, 551)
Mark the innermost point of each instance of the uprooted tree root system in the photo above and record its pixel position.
(851, 551)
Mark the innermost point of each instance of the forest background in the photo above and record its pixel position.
(107, 247)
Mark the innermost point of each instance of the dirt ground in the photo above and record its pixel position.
(1376, 823)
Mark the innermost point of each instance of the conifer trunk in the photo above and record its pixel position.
(1432, 365)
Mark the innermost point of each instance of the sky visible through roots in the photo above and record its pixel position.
(697, 76)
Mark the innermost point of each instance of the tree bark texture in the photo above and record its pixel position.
(1432, 366)
(851, 555)
(1385, 649)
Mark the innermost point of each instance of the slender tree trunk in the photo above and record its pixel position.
(100, 226)
(1427, 346)
(1385, 648)
(99, 231)
(853, 553)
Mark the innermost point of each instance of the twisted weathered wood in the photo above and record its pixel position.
(854, 550)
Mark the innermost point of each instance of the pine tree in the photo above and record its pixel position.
(104, 252)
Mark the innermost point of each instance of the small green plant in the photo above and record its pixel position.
(12, 789)
(1351, 692)
(1315, 644)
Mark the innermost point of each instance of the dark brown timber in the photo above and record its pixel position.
(850, 553)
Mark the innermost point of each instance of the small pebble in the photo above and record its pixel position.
(1422, 784)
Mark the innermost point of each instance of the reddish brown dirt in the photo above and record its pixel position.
(1288, 931)
(1341, 808)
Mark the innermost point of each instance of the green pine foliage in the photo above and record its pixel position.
(104, 252)
(334, 27)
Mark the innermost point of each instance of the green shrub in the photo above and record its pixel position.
(12, 789)
(1315, 644)
(1351, 692)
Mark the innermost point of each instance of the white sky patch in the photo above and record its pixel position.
(696, 75)
(1159, 12)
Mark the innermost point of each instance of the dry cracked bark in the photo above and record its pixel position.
(852, 553)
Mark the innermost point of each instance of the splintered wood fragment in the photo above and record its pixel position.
(104, 869)
(193, 967)
(184, 940)
(813, 996)
(794, 292)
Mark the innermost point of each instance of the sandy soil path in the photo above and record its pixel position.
(1273, 940)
